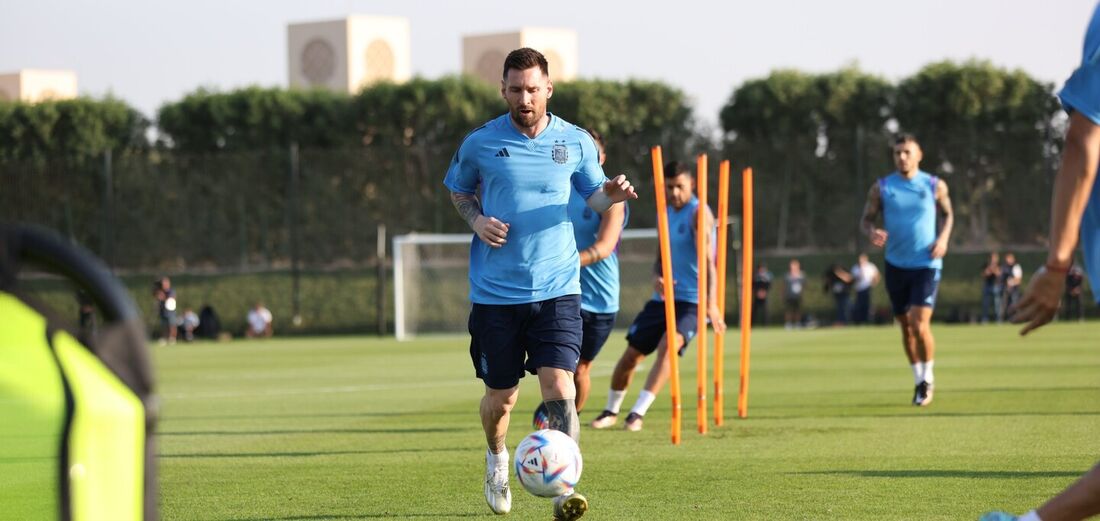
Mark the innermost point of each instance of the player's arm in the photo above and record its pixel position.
(607, 237)
(871, 211)
(1072, 187)
(717, 321)
(488, 229)
(943, 201)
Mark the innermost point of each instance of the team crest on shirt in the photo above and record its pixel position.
(560, 153)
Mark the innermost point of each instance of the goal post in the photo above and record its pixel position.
(431, 285)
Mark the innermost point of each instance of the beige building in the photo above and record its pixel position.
(33, 85)
(349, 54)
(483, 55)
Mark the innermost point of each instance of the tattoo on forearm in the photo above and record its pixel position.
(467, 206)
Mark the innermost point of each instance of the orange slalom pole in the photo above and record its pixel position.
(702, 233)
(666, 275)
(746, 290)
(720, 261)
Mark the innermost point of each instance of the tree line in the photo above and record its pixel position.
(815, 141)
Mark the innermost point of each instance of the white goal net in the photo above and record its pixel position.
(431, 288)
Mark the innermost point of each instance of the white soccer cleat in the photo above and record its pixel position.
(497, 493)
(604, 420)
(569, 507)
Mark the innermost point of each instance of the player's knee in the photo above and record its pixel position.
(583, 367)
(501, 401)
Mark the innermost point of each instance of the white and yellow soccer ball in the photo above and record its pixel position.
(548, 463)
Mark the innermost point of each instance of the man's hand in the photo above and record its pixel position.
(659, 285)
(877, 237)
(717, 321)
(619, 189)
(1040, 301)
(939, 249)
(490, 231)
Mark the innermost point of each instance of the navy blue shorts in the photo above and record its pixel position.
(911, 287)
(506, 340)
(597, 327)
(649, 326)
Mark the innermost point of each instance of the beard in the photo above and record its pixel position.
(527, 119)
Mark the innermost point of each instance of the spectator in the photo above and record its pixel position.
(210, 326)
(991, 289)
(1012, 275)
(189, 322)
(837, 282)
(1072, 306)
(166, 309)
(761, 284)
(865, 276)
(259, 322)
(792, 295)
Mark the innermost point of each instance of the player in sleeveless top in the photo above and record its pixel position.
(647, 334)
(908, 201)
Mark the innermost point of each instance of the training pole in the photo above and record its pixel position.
(666, 276)
(702, 233)
(746, 290)
(719, 338)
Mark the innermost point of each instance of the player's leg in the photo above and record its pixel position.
(497, 356)
(620, 382)
(1080, 501)
(597, 328)
(922, 302)
(553, 342)
(898, 288)
(686, 321)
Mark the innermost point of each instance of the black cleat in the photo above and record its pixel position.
(604, 420)
(922, 395)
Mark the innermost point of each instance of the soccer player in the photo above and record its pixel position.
(597, 236)
(908, 200)
(647, 333)
(524, 267)
(1075, 211)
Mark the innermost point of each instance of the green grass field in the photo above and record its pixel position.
(363, 428)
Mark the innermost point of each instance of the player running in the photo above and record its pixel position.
(908, 200)
(647, 333)
(524, 267)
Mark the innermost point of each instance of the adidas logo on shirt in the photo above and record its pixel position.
(503, 153)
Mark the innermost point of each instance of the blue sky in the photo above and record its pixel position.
(150, 52)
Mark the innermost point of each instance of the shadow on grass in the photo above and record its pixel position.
(386, 414)
(301, 454)
(426, 430)
(922, 413)
(385, 515)
(976, 474)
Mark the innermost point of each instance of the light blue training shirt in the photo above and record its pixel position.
(909, 214)
(526, 183)
(1082, 94)
(599, 280)
(685, 259)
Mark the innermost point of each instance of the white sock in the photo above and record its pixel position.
(500, 460)
(918, 372)
(928, 376)
(615, 400)
(1030, 516)
(645, 399)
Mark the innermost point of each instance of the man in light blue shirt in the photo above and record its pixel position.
(1075, 212)
(524, 266)
(909, 200)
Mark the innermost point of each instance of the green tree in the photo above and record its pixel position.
(986, 131)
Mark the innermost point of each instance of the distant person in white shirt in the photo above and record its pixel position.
(864, 276)
(259, 321)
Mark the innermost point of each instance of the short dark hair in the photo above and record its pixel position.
(525, 58)
(906, 138)
(675, 168)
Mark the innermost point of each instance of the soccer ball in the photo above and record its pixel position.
(542, 418)
(548, 463)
